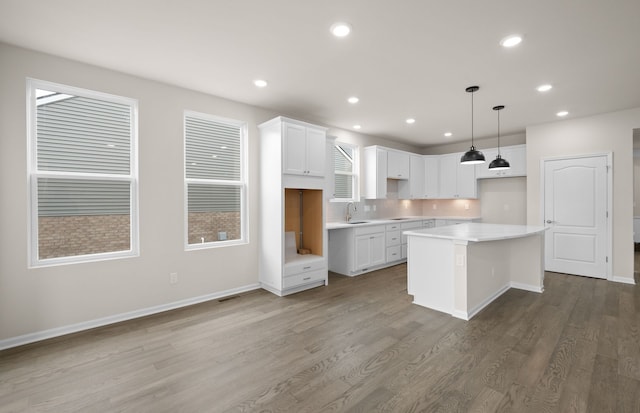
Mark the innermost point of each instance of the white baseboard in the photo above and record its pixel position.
(86, 325)
(624, 280)
(475, 310)
(527, 287)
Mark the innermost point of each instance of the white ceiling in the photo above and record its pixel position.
(404, 58)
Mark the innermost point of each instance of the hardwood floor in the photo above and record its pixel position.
(357, 345)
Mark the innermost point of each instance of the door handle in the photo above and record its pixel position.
(550, 221)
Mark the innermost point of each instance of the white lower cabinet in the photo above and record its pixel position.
(369, 251)
(393, 241)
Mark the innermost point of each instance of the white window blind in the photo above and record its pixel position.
(82, 174)
(345, 172)
(214, 180)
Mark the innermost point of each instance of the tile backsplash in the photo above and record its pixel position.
(392, 208)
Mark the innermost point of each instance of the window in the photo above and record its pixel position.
(345, 158)
(215, 186)
(82, 175)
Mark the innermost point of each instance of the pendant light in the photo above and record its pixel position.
(499, 163)
(472, 156)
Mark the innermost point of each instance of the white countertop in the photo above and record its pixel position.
(384, 221)
(477, 232)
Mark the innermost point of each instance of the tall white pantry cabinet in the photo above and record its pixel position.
(293, 193)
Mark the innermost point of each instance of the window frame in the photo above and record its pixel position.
(355, 172)
(242, 183)
(33, 174)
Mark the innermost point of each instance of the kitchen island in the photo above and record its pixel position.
(460, 269)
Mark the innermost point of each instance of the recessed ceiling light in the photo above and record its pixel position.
(544, 88)
(511, 41)
(410, 121)
(353, 100)
(562, 113)
(340, 29)
(356, 126)
(260, 83)
(448, 134)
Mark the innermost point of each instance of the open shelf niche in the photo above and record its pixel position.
(303, 216)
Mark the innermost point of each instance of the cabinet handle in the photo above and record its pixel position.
(306, 268)
(306, 278)
(371, 237)
(393, 239)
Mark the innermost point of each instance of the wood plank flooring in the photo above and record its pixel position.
(357, 345)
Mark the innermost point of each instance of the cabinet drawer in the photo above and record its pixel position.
(304, 278)
(393, 227)
(394, 253)
(393, 238)
(369, 230)
(296, 268)
(429, 223)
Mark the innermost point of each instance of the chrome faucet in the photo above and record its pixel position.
(348, 216)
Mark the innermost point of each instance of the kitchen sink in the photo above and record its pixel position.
(357, 222)
(399, 219)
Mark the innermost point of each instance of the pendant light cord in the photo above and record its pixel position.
(472, 146)
(498, 133)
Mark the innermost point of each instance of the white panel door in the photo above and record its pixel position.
(575, 209)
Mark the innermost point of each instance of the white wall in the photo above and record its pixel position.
(503, 200)
(604, 133)
(40, 302)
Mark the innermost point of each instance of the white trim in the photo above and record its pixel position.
(354, 174)
(623, 280)
(527, 287)
(99, 322)
(33, 174)
(475, 310)
(242, 183)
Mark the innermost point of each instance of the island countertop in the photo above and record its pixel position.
(476, 232)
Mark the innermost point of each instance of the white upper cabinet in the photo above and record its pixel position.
(431, 176)
(413, 188)
(516, 156)
(304, 150)
(398, 165)
(457, 180)
(375, 173)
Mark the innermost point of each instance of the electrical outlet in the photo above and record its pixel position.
(506, 207)
(374, 208)
(367, 208)
(466, 206)
(434, 206)
(173, 278)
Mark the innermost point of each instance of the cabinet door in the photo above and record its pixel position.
(375, 173)
(378, 249)
(363, 251)
(467, 186)
(517, 157)
(397, 165)
(449, 175)
(315, 152)
(294, 149)
(416, 177)
(431, 176)
(482, 170)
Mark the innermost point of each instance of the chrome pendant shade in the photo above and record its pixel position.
(499, 163)
(472, 156)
